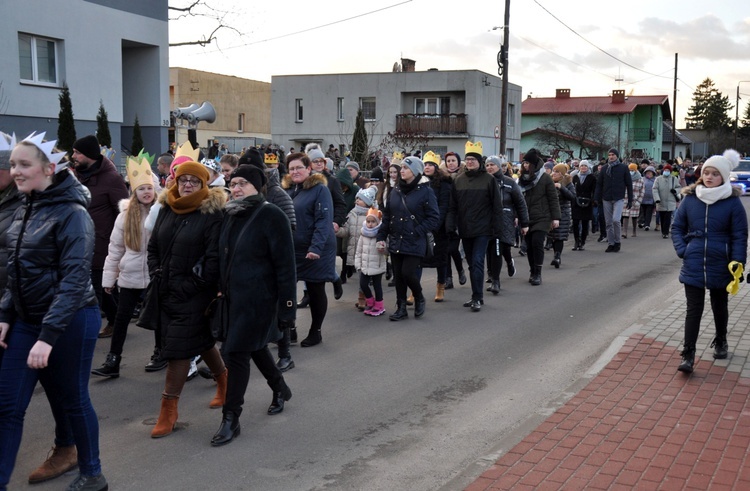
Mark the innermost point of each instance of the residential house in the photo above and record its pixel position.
(683, 146)
(586, 127)
(450, 107)
(242, 108)
(115, 53)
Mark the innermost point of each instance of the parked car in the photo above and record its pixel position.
(740, 176)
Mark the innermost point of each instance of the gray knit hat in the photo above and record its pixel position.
(415, 165)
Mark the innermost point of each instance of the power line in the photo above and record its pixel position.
(594, 45)
(312, 28)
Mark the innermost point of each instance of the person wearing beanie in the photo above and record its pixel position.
(566, 195)
(357, 177)
(647, 203)
(544, 210)
(216, 178)
(258, 288)
(582, 210)
(548, 166)
(371, 264)
(350, 233)
(107, 189)
(189, 222)
(634, 211)
(666, 192)
(709, 233)
(476, 215)
(613, 183)
(410, 213)
(253, 157)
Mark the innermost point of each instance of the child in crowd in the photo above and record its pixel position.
(352, 229)
(371, 264)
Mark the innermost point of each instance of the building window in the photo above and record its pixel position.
(368, 108)
(340, 109)
(241, 123)
(511, 114)
(432, 105)
(510, 154)
(298, 110)
(38, 59)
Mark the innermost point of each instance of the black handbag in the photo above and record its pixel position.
(429, 236)
(149, 316)
(583, 202)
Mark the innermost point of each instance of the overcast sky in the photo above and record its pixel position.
(583, 45)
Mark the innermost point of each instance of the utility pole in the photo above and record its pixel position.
(674, 110)
(502, 64)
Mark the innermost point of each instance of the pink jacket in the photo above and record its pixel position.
(123, 265)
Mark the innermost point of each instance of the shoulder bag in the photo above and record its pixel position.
(430, 251)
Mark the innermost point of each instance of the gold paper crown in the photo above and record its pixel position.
(397, 157)
(474, 148)
(271, 159)
(432, 157)
(139, 170)
(187, 150)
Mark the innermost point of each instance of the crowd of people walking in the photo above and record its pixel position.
(208, 254)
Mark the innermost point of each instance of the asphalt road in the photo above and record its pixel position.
(380, 405)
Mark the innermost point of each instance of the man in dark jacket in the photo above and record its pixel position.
(613, 182)
(476, 212)
(107, 188)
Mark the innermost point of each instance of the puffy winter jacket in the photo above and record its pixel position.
(514, 206)
(406, 235)
(123, 265)
(276, 195)
(50, 248)
(351, 232)
(367, 259)
(708, 238)
(566, 194)
(666, 191)
(8, 206)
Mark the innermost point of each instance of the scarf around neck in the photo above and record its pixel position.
(183, 205)
(712, 195)
(370, 232)
(529, 181)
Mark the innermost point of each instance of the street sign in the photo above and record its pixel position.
(497, 132)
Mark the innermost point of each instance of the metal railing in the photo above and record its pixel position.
(447, 124)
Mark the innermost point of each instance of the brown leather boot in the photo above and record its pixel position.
(221, 391)
(410, 300)
(167, 417)
(60, 461)
(440, 295)
(361, 302)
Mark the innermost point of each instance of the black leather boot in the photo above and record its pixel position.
(494, 287)
(111, 367)
(557, 260)
(688, 360)
(281, 393)
(721, 348)
(228, 430)
(419, 306)
(400, 312)
(285, 361)
(304, 302)
(313, 337)
(536, 277)
(448, 283)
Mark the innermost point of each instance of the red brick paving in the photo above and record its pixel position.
(639, 424)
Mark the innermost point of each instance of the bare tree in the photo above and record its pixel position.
(404, 140)
(585, 130)
(202, 9)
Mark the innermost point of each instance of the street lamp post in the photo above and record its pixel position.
(737, 111)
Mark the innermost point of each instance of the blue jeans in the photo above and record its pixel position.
(475, 249)
(65, 381)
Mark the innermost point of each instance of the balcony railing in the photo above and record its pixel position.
(643, 134)
(446, 124)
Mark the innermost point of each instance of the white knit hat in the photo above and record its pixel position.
(724, 163)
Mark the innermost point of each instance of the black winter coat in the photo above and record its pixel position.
(476, 208)
(406, 235)
(340, 209)
(184, 292)
(276, 195)
(50, 248)
(566, 195)
(542, 202)
(514, 206)
(613, 183)
(261, 284)
(585, 190)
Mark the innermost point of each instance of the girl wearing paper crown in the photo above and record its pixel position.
(371, 263)
(127, 262)
(51, 303)
(709, 232)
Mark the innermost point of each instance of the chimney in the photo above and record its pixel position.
(408, 65)
(562, 94)
(618, 96)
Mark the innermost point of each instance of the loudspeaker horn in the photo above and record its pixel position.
(205, 113)
(182, 112)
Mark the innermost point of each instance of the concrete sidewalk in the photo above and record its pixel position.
(641, 424)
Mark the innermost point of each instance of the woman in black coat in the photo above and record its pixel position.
(544, 210)
(583, 209)
(411, 212)
(566, 195)
(258, 283)
(183, 261)
(441, 184)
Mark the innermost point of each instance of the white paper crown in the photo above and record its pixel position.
(47, 148)
(7, 142)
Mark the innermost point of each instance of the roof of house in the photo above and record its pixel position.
(576, 105)
(667, 134)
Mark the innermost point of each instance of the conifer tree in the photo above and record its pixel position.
(137, 144)
(102, 127)
(66, 128)
(359, 141)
